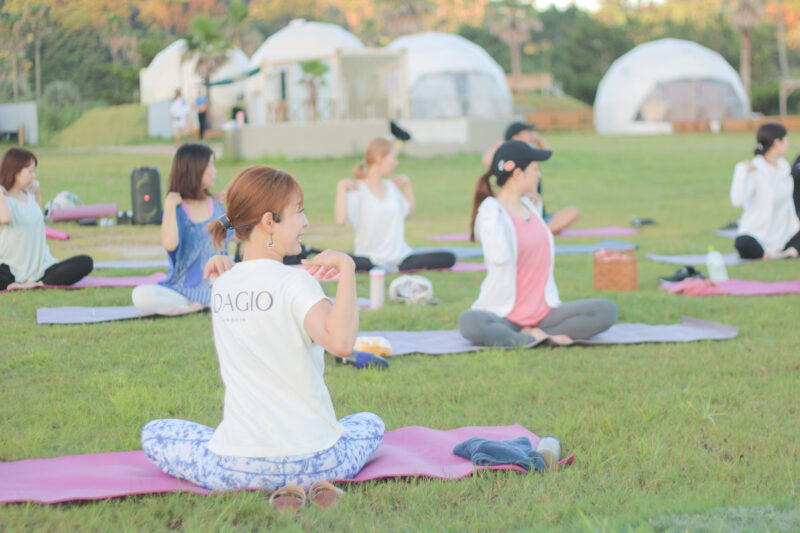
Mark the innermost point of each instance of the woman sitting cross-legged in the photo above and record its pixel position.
(518, 300)
(271, 323)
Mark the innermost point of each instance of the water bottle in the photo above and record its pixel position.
(550, 449)
(715, 264)
(377, 288)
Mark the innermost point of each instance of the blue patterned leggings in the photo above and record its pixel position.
(180, 448)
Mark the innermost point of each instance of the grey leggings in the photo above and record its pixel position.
(580, 319)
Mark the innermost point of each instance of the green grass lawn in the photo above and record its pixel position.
(668, 437)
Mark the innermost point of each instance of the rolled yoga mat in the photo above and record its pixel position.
(413, 451)
(55, 234)
(59, 214)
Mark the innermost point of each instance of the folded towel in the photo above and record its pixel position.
(487, 452)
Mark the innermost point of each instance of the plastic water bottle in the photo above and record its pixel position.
(377, 288)
(550, 449)
(715, 264)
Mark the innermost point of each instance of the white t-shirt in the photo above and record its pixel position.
(22, 243)
(179, 111)
(379, 224)
(276, 401)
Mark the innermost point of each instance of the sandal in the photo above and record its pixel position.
(288, 499)
(324, 494)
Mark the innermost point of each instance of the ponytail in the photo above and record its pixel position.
(218, 234)
(767, 135)
(360, 170)
(483, 189)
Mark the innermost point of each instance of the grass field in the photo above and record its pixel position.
(668, 437)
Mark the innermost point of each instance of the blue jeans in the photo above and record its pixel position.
(180, 448)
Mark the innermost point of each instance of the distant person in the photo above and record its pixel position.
(796, 179)
(188, 209)
(518, 301)
(25, 259)
(521, 131)
(180, 116)
(764, 188)
(376, 203)
(201, 105)
(237, 109)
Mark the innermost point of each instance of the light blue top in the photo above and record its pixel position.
(22, 242)
(195, 248)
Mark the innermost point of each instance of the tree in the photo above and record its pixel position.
(746, 16)
(313, 72)
(206, 42)
(36, 16)
(13, 38)
(512, 21)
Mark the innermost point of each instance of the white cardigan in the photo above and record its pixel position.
(495, 230)
(766, 196)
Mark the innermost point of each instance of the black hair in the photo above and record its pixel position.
(767, 135)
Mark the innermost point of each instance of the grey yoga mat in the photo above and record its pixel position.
(695, 259)
(470, 252)
(156, 263)
(450, 341)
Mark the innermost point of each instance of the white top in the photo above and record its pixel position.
(179, 111)
(495, 230)
(22, 242)
(276, 401)
(766, 196)
(379, 223)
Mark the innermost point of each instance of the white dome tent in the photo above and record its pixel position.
(663, 81)
(277, 89)
(450, 76)
(168, 72)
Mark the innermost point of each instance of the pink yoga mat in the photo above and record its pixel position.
(55, 234)
(733, 287)
(58, 214)
(404, 452)
(608, 231)
(101, 281)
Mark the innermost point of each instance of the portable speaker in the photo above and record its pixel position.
(146, 195)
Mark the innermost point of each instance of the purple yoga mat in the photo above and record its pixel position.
(437, 342)
(695, 259)
(128, 281)
(739, 287)
(57, 214)
(404, 452)
(608, 231)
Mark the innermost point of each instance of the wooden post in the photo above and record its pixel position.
(21, 135)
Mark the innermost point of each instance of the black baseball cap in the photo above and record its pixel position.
(516, 127)
(516, 154)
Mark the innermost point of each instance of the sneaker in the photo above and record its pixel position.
(683, 273)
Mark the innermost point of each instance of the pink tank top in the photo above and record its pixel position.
(533, 270)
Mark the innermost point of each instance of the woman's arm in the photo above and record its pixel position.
(169, 225)
(334, 326)
(493, 239)
(5, 212)
(402, 182)
(340, 205)
(743, 186)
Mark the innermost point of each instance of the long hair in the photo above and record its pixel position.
(377, 149)
(253, 192)
(188, 166)
(767, 135)
(14, 160)
(483, 189)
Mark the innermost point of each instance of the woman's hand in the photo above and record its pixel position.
(34, 187)
(749, 164)
(347, 184)
(328, 264)
(401, 180)
(216, 266)
(173, 200)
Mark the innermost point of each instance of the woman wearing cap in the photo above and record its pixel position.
(518, 300)
(763, 187)
(521, 131)
(376, 205)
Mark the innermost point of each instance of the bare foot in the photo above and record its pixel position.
(788, 253)
(560, 340)
(536, 333)
(26, 285)
(194, 306)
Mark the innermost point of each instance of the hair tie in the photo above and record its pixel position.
(226, 223)
(760, 146)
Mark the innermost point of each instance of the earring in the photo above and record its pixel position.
(270, 244)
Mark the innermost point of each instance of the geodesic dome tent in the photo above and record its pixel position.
(168, 71)
(450, 76)
(278, 89)
(663, 81)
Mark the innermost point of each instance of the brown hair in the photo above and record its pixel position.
(254, 191)
(14, 160)
(483, 189)
(188, 166)
(376, 149)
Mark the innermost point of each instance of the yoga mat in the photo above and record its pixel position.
(727, 233)
(695, 259)
(450, 341)
(55, 234)
(58, 214)
(404, 452)
(732, 287)
(461, 252)
(608, 231)
(155, 263)
(471, 252)
(101, 281)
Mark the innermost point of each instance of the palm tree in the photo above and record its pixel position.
(13, 40)
(313, 72)
(36, 15)
(746, 17)
(512, 21)
(207, 43)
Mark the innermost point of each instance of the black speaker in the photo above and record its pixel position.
(146, 195)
